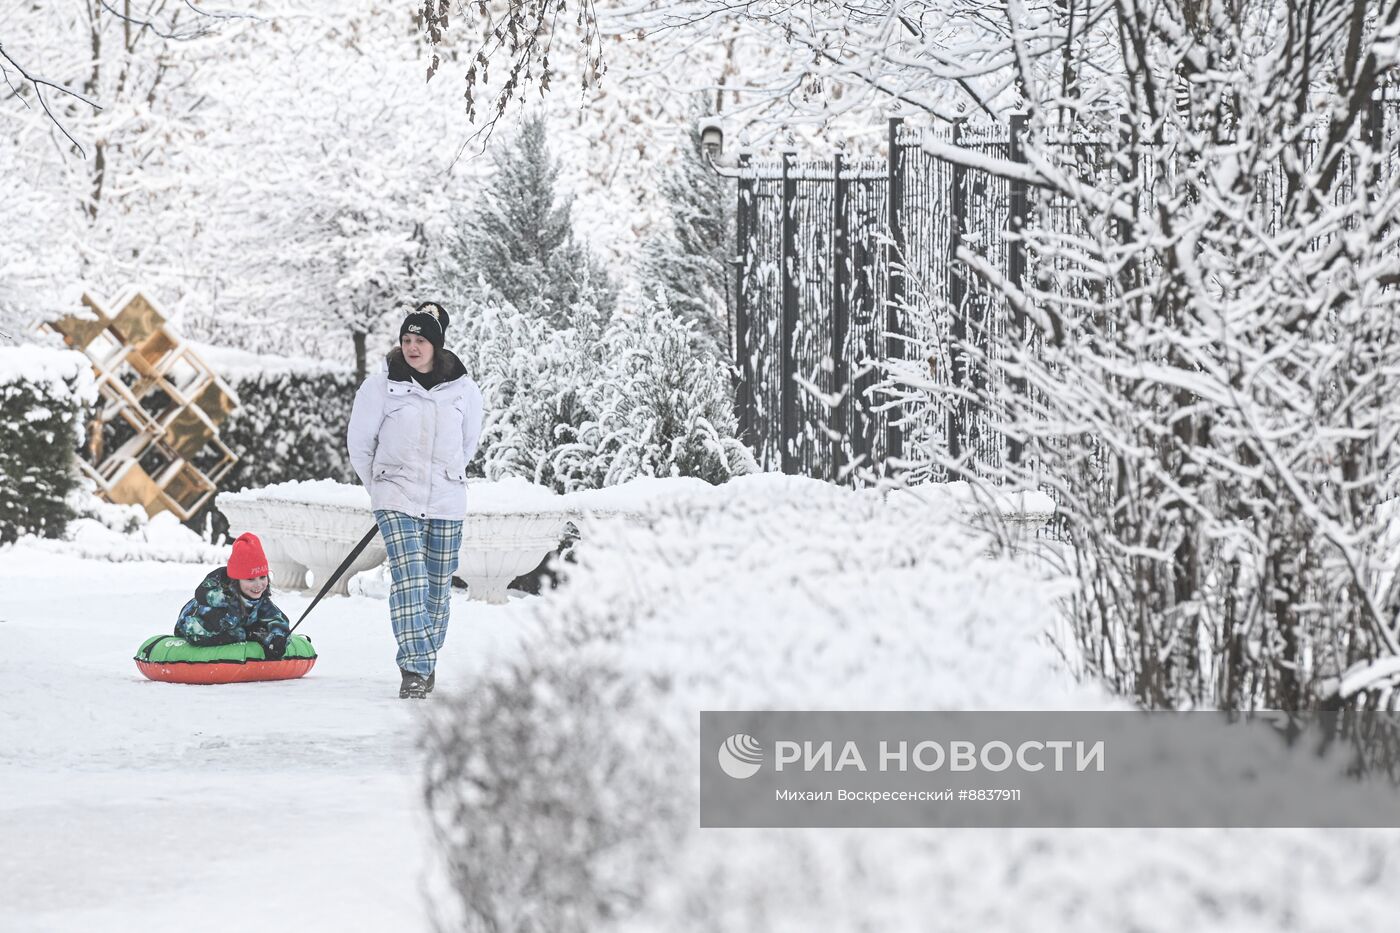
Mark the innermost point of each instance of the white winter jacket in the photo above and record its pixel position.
(410, 446)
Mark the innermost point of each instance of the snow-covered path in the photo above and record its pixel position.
(128, 804)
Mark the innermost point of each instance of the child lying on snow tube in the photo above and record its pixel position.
(234, 604)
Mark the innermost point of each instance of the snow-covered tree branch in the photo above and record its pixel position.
(1201, 359)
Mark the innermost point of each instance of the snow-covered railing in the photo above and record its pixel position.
(510, 527)
(306, 526)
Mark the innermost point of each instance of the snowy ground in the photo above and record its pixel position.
(134, 805)
(131, 805)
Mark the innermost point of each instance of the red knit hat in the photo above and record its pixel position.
(248, 560)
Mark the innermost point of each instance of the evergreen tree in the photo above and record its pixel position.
(690, 262)
(520, 239)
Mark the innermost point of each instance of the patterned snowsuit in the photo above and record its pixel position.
(220, 615)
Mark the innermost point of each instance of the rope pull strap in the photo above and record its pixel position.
(339, 572)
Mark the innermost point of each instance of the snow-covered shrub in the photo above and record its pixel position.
(535, 379)
(662, 408)
(605, 400)
(560, 784)
(1200, 360)
(556, 792)
(117, 517)
(563, 786)
(291, 426)
(44, 394)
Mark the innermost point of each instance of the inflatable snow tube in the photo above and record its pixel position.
(171, 659)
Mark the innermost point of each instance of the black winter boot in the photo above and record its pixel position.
(432, 678)
(414, 686)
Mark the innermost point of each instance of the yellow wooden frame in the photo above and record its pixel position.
(135, 342)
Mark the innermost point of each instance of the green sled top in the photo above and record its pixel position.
(172, 649)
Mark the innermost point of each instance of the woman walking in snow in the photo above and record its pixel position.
(414, 428)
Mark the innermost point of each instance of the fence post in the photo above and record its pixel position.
(862, 344)
(1375, 129)
(957, 298)
(788, 263)
(744, 391)
(894, 294)
(1375, 123)
(1016, 258)
(840, 312)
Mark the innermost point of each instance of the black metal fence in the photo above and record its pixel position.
(830, 250)
(832, 253)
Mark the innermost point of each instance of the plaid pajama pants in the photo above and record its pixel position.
(422, 557)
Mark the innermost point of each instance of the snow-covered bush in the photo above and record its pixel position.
(44, 394)
(101, 530)
(291, 426)
(605, 400)
(123, 519)
(1200, 359)
(563, 786)
(556, 792)
(557, 786)
(663, 408)
(534, 378)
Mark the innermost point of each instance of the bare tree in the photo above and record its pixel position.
(162, 19)
(24, 84)
(1201, 363)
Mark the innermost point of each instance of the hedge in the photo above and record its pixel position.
(44, 396)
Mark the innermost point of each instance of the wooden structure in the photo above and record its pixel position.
(161, 402)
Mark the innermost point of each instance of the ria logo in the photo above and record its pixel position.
(740, 756)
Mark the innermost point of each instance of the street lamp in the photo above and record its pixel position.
(712, 137)
(712, 144)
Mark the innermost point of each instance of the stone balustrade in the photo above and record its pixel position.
(511, 525)
(300, 535)
(311, 526)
